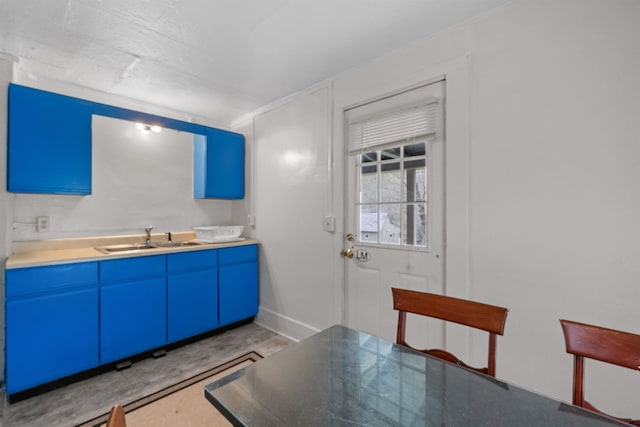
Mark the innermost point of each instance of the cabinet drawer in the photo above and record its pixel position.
(189, 261)
(238, 255)
(132, 268)
(24, 281)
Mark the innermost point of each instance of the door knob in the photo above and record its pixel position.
(347, 253)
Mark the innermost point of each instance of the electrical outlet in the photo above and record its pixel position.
(43, 224)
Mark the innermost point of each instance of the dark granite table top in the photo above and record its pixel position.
(343, 377)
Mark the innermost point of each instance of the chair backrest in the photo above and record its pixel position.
(603, 344)
(477, 315)
(116, 417)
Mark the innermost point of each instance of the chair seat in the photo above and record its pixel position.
(449, 357)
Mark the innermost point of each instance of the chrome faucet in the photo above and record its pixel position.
(148, 231)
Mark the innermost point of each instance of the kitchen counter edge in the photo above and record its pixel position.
(68, 256)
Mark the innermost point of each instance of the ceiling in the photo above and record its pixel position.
(213, 58)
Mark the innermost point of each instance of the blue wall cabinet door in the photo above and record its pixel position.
(50, 337)
(238, 281)
(219, 165)
(133, 318)
(49, 143)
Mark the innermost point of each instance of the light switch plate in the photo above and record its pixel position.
(329, 223)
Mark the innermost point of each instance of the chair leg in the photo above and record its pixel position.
(116, 417)
(578, 381)
(402, 318)
(491, 369)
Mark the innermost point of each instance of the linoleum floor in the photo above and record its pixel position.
(81, 401)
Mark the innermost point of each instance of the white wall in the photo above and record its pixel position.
(289, 194)
(554, 183)
(543, 163)
(137, 180)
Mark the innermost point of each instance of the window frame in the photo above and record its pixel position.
(427, 140)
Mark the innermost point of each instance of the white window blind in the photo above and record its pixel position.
(394, 126)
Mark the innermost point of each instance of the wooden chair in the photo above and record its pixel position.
(486, 317)
(606, 345)
(116, 417)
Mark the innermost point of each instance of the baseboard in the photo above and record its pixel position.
(284, 325)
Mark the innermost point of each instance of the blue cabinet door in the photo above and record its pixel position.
(219, 165)
(238, 282)
(50, 337)
(133, 318)
(192, 303)
(49, 143)
(192, 293)
(238, 292)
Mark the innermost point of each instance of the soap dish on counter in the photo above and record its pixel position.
(219, 234)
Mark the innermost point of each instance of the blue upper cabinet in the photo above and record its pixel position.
(219, 165)
(49, 144)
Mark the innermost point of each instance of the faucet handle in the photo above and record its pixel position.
(148, 229)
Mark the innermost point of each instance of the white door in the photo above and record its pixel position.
(394, 210)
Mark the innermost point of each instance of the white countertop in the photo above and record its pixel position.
(63, 251)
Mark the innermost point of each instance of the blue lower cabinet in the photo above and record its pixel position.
(133, 318)
(238, 292)
(68, 318)
(192, 303)
(238, 282)
(50, 337)
(192, 287)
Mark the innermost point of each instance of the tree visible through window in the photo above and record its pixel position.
(392, 201)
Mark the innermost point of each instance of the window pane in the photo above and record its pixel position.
(415, 225)
(368, 223)
(390, 183)
(369, 185)
(415, 182)
(390, 224)
(370, 157)
(415, 150)
(390, 154)
(390, 166)
(369, 169)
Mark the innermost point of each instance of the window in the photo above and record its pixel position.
(391, 148)
(392, 189)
